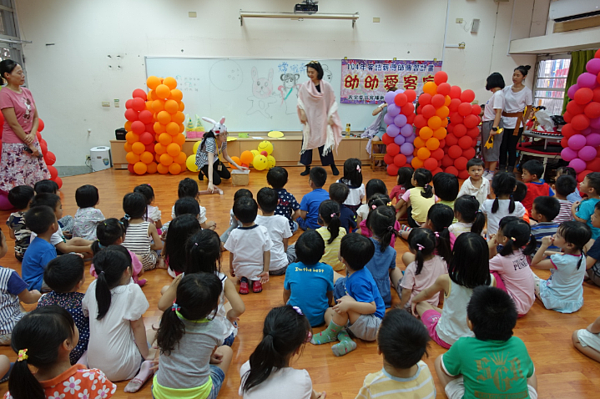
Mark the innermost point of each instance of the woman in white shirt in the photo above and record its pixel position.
(517, 107)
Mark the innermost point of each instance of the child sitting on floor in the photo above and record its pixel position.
(543, 211)
(51, 187)
(19, 197)
(564, 186)
(582, 211)
(332, 233)
(153, 214)
(374, 186)
(87, 216)
(354, 180)
(189, 188)
(233, 222)
(587, 340)
(445, 187)
(278, 228)
(469, 217)
(338, 192)
(41, 220)
(287, 205)
(402, 183)
(417, 201)
(533, 171)
(476, 185)
(574, 196)
(309, 206)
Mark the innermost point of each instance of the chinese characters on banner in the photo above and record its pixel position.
(367, 81)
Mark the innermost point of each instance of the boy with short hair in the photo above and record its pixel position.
(277, 226)
(250, 247)
(65, 276)
(582, 211)
(338, 192)
(287, 205)
(65, 223)
(544, 210)
(402, 340)
(445, 187)
(41, 220)
(470, 366)
(592, 257)
(574, 196)
(20, 197)
(309, 206)
(531, 176)
(564, 186)
(359, 307)
(475, 185)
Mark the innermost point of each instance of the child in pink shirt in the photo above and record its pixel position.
(374, 202)
(403, 183)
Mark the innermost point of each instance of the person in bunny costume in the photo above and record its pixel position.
(318, 112)
(207, 156)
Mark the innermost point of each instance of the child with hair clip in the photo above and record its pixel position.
(180, 229)
(510, 267)
(374, 186)
(115, 305)
(403, 183)
(382, 224)
(332, 233)
(469, 268)
(189, 188)
(153, 214)
(466, 211)
(193, 361)
(203, 255)
(563, 291)
(112, 232)
(424, 270)
(43, 341)
(233, 222)
(375, 202)
(87, 216)
(268, 373)
(417, 201)
(141, 236)
(503, 184)
(354, 180)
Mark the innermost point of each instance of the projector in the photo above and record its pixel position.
(308, 7)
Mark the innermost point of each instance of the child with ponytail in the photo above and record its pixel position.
(180, 229)
(510, 267)
(43, 340)
(193, 361)
(353, 178)
(268, 373)
(332, 233)
(118, 344)
(417, 200)
(424, 270)
(376, 201)
(503, 185)
(466, 211)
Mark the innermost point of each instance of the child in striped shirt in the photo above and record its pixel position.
(564, 186)
(402, 340)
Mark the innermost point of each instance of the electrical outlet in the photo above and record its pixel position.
(459, 20)
(88, 158)
(106, 104)
(376, 20)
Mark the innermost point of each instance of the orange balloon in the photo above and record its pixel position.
(163, 117)
(149, 105)
(164, 139)
(127, 147)
(179, 117)
(443, 112)
(416, 163)
(162, 91)
(447, 101)
(181, 128)
(152, 167)
(138, 148)
(181, 107)
(425, 133)
(172, 128)
(127, 126)
(146, 157)
(176, 95)
(158, 105)
(418, 143)
(132, 157)
(432, 144)
(170, 82)
(152, 82)
(160, 149)
(430, 88)
(181, 158)
(171, 106)
(236, 159)
(440, 133)
(247, 157)
(174, 168)
(158, 128)
(151, 96)
(162, 169)
(157, 158)
(178, 139)
(435, 122)
(173, 149)
(166, 159)
(423, 153)
(131, 137)
(140, 168)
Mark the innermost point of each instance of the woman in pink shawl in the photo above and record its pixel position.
(318, 112)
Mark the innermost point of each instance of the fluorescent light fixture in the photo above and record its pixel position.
(298, 17)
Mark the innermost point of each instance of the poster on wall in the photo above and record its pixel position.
(367, 81)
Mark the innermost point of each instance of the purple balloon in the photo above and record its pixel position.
(593, 139)
(576, 142)
(595, 123)
(393, 110)
(586, 79)
(572, 90)
(410, 139)
(586, 131)
(400, 120)
(578, 164)
(389, 97)
(407, 149)
(407, 130)
(568, 154)
(388, 119)
(593, 66)
(393, 130)
(398, 92)
(587, 153)
(409, 158)
(399, 139)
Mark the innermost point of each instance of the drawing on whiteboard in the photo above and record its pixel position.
(226, 75)
(262, 93)
(327, 74)
(289, 91)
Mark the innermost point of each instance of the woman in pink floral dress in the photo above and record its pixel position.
(21, 161)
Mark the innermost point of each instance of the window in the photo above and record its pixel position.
(10, 43)
(550, 82)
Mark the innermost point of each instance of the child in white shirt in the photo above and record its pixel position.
(278, 227)
(475, 185)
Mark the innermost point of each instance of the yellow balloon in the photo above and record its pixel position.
(265, 146)
(260, 162)
(254, 154)
(190, 162)
(197, 145)
(270, 162)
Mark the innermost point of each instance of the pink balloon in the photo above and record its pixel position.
(587, 153)
(576, 142)
(586, 131)
(568, 154)
(5, 204)
(593, 139)
(593, 66)
(393, 130)
(586, 79)
(578, 164)
(572, 90)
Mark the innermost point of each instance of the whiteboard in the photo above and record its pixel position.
(250, 93)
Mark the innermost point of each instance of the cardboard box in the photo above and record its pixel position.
(240, 177)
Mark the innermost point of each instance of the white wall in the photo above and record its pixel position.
(70, 78)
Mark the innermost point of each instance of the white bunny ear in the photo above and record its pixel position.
(222, 121)
(204, 118)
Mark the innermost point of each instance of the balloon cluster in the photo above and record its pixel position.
(259, 159)
(49, 156)
(582, 131)
(140, 134)
(400, 134)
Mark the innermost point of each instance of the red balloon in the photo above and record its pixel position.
(564, 143)
(471, 121)
(476, 109)
(460, 130)
(38, 135)
(469, 153)
(568, 117)
(410, 119)
(463, 174)
(447, 161)
(592, 110)
(454, 103)
(400, 99)
(393, 149)
(138, 127)
(50, 158)
(425, 99)
(138, 104)
(464, 108)
(43, 146)
(387, 139)
(131, 115)
(128, 103)
(456, 118)
(583, 174)
(139, 93)
(150, 147)
(388, 159)
(420, 109)
(583, 95)
(428, 111)
(461, 163)
(440, 77)
(451, 140)
(59, 182)
(443, 143)
(473, 133)
(438, 100)
(455, 151)
(411, 95)
(400, 160)
(53, 172)
(436, 171)
(41, 123)
(452, 170)
(465, 142)
(437, 154)
(146, 138)
(596, 95)
(430, 164)
(580, 122)
(455, 92)
(574, 108)
(420, 121)
(594, 165)
(146, 117)
(444, 89)
(467, 96)
(130, 168)
(392, 170)
(408, 109)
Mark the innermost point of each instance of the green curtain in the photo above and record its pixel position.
(576, 68)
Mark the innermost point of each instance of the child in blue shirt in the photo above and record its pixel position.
(309, 283)
(309, 207)
(583, 211)
(41, 221)
(338, 192)
(287, 205)
(359, 307)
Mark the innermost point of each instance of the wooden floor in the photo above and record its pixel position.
(562, 371)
